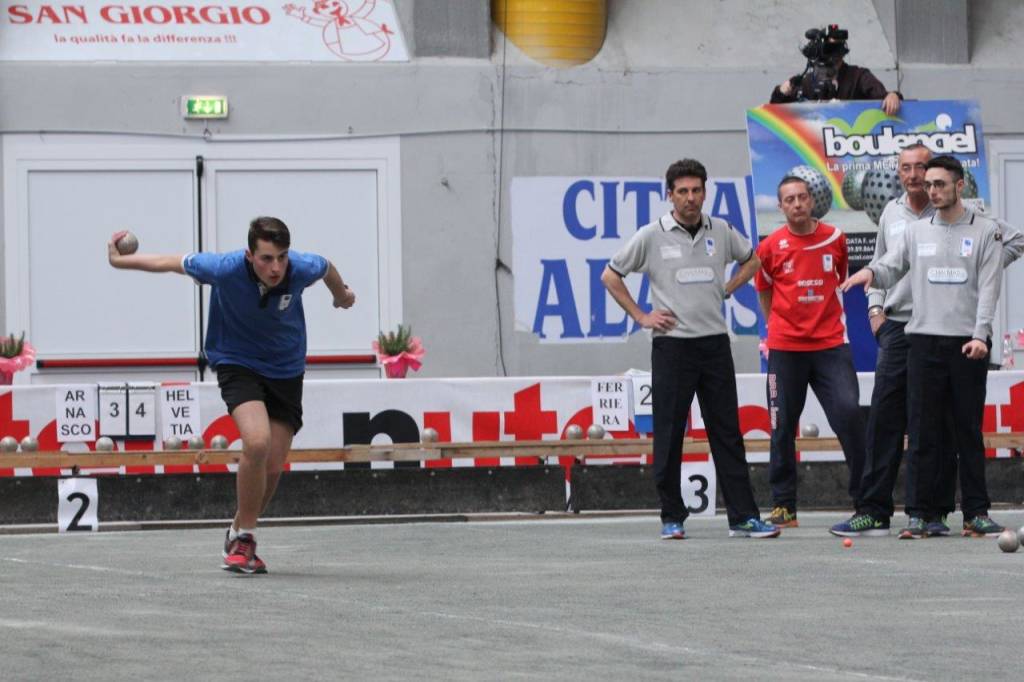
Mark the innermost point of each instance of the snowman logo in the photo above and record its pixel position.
(350, 34)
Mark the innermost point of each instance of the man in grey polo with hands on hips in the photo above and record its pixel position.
(685, 254)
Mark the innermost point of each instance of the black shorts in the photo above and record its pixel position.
(283, 397)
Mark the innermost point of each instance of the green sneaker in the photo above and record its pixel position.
(915, 530)
(861, 524)
(980, 526)
(782, 518)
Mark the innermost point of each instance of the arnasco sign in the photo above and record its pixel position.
(317, 30)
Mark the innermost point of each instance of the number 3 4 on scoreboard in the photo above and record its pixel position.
(128, 410)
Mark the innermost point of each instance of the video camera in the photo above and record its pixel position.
(824, 49)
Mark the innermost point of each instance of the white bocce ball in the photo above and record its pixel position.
(809, 430)
(1008, 540)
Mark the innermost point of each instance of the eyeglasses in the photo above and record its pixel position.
(937, 184)
(907, 167)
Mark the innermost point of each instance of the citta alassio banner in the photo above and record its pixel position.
(299, 30)
(566, 229)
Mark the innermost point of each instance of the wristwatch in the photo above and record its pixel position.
(875, 311)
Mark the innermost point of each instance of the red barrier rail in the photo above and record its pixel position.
(97, 363)
(104, 363)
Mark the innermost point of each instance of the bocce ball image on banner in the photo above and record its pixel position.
(847, 153)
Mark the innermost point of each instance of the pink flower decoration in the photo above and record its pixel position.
(19, 362)
(398, 365)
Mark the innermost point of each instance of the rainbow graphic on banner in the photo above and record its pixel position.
(804, 142)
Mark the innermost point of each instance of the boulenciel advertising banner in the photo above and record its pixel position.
(847, 152)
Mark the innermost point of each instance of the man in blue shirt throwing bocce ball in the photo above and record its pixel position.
(256, 342)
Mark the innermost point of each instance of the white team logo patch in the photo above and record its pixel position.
(927, 249)
(286, 300)
(709, 246)
(670, 252)
(896, 229)
(783, 243)
(947, 275)
(695, 275)
(826, 262)
(787, 267)
(966, 247)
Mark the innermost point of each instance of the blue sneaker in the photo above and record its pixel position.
(672, 531)
(937, 528)
(980, 526)
(861, 524)
(754, 528)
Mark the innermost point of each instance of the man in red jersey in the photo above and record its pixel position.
(802, 265)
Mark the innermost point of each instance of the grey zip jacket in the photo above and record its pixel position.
(895, 218)
(955, 274)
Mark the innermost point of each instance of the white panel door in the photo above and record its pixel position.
(331, 208)
(80, 307)
(1013, 211)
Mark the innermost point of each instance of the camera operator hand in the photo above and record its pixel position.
(891, 103)
(787, 88)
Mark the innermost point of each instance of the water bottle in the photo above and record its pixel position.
(1007, 352)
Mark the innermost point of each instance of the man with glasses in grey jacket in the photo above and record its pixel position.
(889, 312)
(953, 263)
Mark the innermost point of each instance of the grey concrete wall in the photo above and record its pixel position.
(452, 28)
(933, 31)
(672, 80)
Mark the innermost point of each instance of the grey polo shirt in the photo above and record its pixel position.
(898, 214)
(894, 220)
(687, 274)
(955, 274)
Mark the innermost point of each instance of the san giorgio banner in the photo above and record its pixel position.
(251, 30)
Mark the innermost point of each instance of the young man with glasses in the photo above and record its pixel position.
(953, 262)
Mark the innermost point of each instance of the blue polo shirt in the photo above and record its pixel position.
(249, 325)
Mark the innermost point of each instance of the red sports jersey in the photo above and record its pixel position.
(804, 273)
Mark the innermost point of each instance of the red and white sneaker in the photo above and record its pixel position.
(241, 556)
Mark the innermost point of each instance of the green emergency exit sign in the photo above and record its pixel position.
(204, 106)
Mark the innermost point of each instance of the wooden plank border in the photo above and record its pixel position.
(406, 452)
